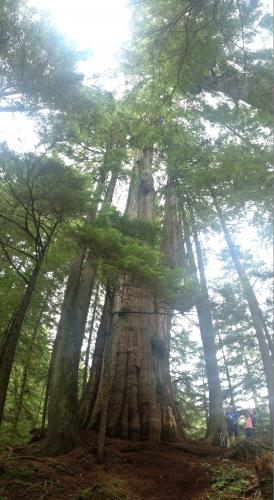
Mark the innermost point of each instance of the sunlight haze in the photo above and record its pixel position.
(100, 26)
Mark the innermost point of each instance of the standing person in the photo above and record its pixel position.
(249, 429)
(232, 422)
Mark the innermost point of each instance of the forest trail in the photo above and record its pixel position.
(130, 472)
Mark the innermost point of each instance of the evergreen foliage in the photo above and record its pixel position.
(197, 94)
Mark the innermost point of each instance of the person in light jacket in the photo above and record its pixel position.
(249, 429)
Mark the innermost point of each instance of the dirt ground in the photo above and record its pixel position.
(129, 472)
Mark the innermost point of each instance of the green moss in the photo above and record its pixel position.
(231, 482)
(112, 489)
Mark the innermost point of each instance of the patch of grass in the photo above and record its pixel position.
(231, 482)
(109, 489)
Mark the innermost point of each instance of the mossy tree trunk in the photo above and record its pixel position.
(63, 418)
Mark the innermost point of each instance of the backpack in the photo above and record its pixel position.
(232, 418)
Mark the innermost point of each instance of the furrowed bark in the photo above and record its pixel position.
(138, 402)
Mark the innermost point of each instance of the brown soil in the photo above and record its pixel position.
(139, 471)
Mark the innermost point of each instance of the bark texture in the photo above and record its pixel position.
(63, 418)
(63, 425)
(133, 397)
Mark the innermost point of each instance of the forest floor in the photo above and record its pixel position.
(130, 472)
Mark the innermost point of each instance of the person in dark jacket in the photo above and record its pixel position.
(232, 422)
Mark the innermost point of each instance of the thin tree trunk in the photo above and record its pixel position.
(266, 331)
(203, 307)
(250, 375)
(91, 389)
(204, 397)
(255, 312)
(230, 387)
(91, 328)
(13, 333)
(40, 403)
(108, 367)
(27, 364)
(46, 398)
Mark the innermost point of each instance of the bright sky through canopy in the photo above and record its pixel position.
(99, 25)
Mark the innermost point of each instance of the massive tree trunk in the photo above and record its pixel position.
(13, 332)
(215, 420)
(255, 312)
(63, 390)
(63, 420)
(134, 398)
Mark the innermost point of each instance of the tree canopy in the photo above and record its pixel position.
(131, 303)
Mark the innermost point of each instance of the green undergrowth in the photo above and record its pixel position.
(112, 489)
(20, 473)
(232, 482)
(8, 438)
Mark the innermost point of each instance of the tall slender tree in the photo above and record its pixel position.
(215, 420)
(36, 216)
(255, 311)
